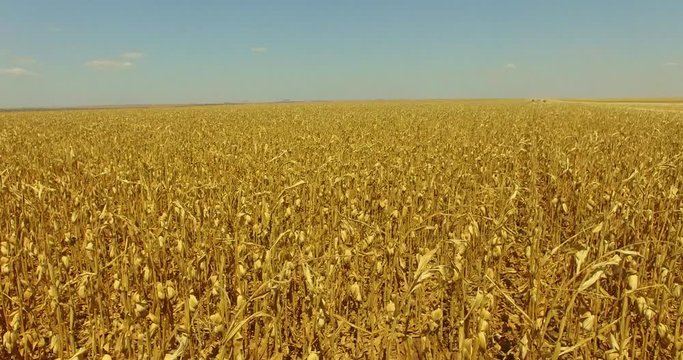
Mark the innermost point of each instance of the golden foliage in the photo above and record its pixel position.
(352, 230)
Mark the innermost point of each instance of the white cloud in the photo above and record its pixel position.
(510, 66)
(107, 64)
(671, 63)
(133, 55)
(16, 72)
(259, 50)
(123, 62)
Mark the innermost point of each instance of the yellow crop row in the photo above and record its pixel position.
(385, 230)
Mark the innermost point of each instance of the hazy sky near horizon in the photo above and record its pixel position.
(95, 52)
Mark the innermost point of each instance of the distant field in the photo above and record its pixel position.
(364, 230)
(634, 100)
(662, 105)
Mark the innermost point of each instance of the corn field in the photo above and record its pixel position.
(378, 230)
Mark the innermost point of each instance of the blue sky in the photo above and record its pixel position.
(94, 52)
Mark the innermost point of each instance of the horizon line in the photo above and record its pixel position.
(290, 101)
